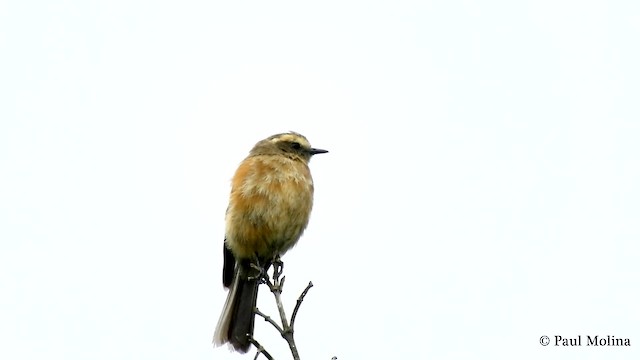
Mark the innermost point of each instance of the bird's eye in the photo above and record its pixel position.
(296, 145)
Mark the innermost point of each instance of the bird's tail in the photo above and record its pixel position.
(235, 325)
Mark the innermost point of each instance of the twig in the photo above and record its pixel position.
(299, 302)
(268, 319)
(276, 289)
(261, 350)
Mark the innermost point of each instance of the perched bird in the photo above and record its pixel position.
(269, 208)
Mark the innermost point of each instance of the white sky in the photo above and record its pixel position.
(481, 190)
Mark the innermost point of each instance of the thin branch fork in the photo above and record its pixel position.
(261, 349)
(286, 330)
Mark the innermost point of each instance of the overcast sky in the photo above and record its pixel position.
(481, 189)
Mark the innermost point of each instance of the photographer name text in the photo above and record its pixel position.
(588, 340)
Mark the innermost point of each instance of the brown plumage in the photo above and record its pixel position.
(269, 208)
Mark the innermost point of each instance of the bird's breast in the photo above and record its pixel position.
(269, 207)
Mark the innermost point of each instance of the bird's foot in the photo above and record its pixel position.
(258, 273)
(277, 266)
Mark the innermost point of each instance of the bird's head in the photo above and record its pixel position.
(290, 144)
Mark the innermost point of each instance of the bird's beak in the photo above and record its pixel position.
(317, 151)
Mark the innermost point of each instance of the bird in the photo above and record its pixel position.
(269, 208)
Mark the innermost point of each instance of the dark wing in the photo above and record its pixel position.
(228, 267)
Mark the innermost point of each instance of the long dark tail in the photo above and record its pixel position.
(237, 318)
